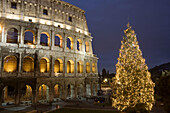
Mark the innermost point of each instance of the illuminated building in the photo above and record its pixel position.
(46, 52)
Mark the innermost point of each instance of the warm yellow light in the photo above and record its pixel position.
(28, 64)
(44, 65)
(80, 67)
(0, 28)
(105, 80)
(58, 66)
(32, 46)
(87, 67)
(132, 84)
(93, 68)
(70, 66)
(87, 46)
(10, 64)
(43, 91)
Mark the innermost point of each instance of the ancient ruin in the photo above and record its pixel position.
(46, 52)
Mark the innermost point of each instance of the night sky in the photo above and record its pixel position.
(108, 18)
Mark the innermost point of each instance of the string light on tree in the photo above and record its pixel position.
(132, 84)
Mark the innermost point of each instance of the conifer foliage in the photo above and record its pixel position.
(132, 84)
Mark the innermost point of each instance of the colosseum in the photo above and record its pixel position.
(46, 52)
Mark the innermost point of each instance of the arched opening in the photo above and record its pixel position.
(88, 90)
(79, 45)
(80, 91)
(58, 66)
(69, 43)
(58, 40)
(87, 48)
(57, 91)
(44, 65)
(80, 67)
(10, 64)
(87, 67)
(28, 64)
(29, 37)
(26, 94)
(70, 66)
(12, 35)
(8, 95)
(43, 94)
(45, 39)
(70, 91)
(94, 68)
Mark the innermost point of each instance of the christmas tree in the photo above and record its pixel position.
(132, 85)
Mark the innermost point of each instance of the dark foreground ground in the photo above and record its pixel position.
(69, 110)
(68, 107)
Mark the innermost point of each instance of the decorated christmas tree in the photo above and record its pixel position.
(132, 86)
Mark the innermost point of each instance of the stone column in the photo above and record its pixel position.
(83, 45)
(22, 10)
(3, 34)
(96, 89)
(64, 91)
(34, 96)
(84, 68)
(1, 91)
(52, 39)
(65, 42)
(1, 66)
(38, 36)
(75, 43)
(47, 94)
(91, 87)
(17, 95)
(75, 67)
(90, 47)
(4, 7)
(20, 65)
(38, 8)
(51, 94)
(84, 90)
(75, 90)
(51, 66)
(36, 65)
(21, 36)
(64, 65)
(52, 11)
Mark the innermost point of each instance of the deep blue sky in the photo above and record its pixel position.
(108, 18)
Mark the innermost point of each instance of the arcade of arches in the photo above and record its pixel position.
(45, 40)
(27, 89)
(10, 65)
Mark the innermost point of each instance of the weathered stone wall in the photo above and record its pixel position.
(28, 15)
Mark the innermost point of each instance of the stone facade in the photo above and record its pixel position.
(64, 59)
